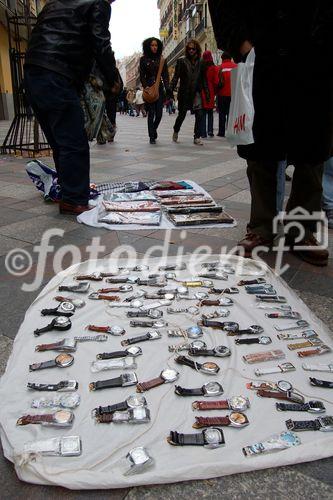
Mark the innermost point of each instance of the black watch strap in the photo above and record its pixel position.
(106, 384)
(292, 406)
(104, 410)
(201, 352)
(112, 355)
(247, 341)
(321, 383)
(303, 425)
(42, 366)
(183, 360)
(178, 439)
(44, 387)
(181, 391)
(135, 340)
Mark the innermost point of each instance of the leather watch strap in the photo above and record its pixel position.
(292, 407)
(207, 302)
(201, 352)
(49, 347)
(106, 418)
(186, 439)
(146, 386)
(106, 384)
(35, 419)
(134, 340)
(109, 290)
(211, 405)
(210, 422)
(42, 366)
(247, 341)
(181, 391)
(212, 324)
(308, 352)
(91, 277)
(321, 383)
(272, 394)
(112, 355)
(183, 360)
(110, 298)
(103, 410)
(101, 329)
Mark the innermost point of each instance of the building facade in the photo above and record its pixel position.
(132, 71)
(182, 20)
(10, 8)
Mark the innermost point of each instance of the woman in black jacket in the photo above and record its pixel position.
(149, 66)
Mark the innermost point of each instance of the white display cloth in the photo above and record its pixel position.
(101, 464)
(90, 218)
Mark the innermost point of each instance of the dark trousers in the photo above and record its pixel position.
(111, 108)
(155, 113)
(224, 107)
(207, 122)
(306, 193)
(56, 104)
(198, 121)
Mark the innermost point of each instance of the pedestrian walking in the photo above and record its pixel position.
(187, 74)
(130, 97)
(123, 105)
(64, 43)
(140, 103)
(289, 125)
(150, 66)
(207, 83)
(224, 90)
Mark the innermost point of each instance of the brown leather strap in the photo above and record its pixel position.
(108, 290)
(146, 386)
(35, 419)
(309, 352)
(210, 422)
(59, 298)
(106, 418)
(102, 329)
(273, 394)
(210, 405)
(88, 277)
(111, 298)
(47, 347)
(207, 302)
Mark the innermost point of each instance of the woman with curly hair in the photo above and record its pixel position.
(149, 67)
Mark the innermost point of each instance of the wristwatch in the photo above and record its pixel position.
(324, 424)
(251, 330)
(60, 323)
(63, 386)
(116, 289)
(180, 310)
(257, 340)
(220, 352)
(127, 363)
(227, 326)
(118, 280)
(282, 368)
(133, 401)
(64, 309)
(69, 402)
(236, 403)
(75, 287)
(284, 315)
(78, 303)
(101, 296)
(318, 368)
(284, 391)
(153, 335)
(113, 330)
(125, 380)
(166, 377)
(209, 438)
(193, 332)
(209, 368)
(257, 281)
(131, 351)
(91, 277)
(222, 302)
(139, 415)
(307, 334)
(214, 275)
(274, 299)
(61, 361)
(157, 323)
(209, 390)
(196, 345)
(277, 442)
(61, 418)
(218, 291)
(265, 289)
(306, 343)
(218, 313)
(65, 446)
(151, 313)
(322, 349)
(65, 345)
(139, 461)
(293, 325)
(310, 407)
(92, 338)
(321, 383)
(235, 419)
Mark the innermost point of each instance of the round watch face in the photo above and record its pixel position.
(230, 326)
(212, 436)
(117, 330)
(256, 329)
(222, 351)
(238, 419)
(61, 321)
(169, 375)
(155, 313)
(284, 386)
(225, 301)
(194, 332)
(201, 295)
(67, 307)
(212, 389)
(238, 403)
(62, 416)
(290, 438)
(134, 351)
(136, 400)
(160, 323)
(198, 344)
(64, 360)
(210, 368)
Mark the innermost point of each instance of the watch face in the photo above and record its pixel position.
(78, 303)
(160, 323)
(326, 422)
(155, 313)
(212, 389)
(138, 456)
(169, 375)
(210, 367)
(136, 303)
(194, 331)
(182, 290)
(198, 344)
(238, 419)
(61, 321)
(256, 329)
(316, 407)
(201, 295)
(265, 340)
(154, 335)
(129, 379)
(134, 351)
(284, 386)
(230, 326)
(64, 360)
(290, 438)
(213, 437)
(67, 307)
(140, 413)
(126, 288)
(225, 301)
(63, 416)
(239, 403)
(136, 400)
(117, 330)
(222, 351)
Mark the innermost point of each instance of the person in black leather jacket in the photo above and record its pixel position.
(149, 66)
(68, 37)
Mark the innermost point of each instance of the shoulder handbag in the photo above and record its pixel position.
(152, 93)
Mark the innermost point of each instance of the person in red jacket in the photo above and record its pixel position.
(224, 90)
(208, 92)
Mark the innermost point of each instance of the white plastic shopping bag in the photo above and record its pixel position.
(241, 114)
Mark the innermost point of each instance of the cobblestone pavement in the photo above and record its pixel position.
(24, 217)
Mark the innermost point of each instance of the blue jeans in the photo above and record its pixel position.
(327, 201)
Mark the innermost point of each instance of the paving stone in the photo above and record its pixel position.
(33, 229)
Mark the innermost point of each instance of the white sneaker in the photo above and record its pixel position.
(198, 142)
(175, 137)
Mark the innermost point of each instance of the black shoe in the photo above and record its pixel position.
(211, 135)
(152, 141)
(220, 135)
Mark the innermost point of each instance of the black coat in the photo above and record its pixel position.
(293, 74)
(70, 35)
(187, 73)
(149, 67)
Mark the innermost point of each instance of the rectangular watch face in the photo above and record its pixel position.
(70, 446)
